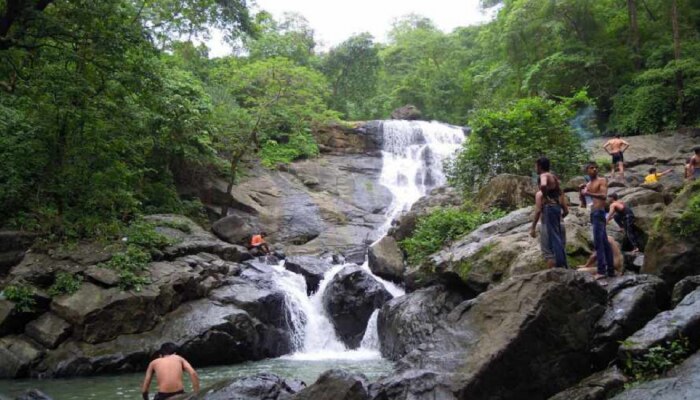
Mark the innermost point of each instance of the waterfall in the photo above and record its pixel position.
(413, 154)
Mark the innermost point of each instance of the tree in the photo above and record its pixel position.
(352, 69)
(291, 38)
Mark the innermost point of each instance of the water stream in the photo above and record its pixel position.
(413, 156)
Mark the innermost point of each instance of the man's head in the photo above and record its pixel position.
(617, 136)
(542, 165)
(167, 349)
(263, 234)
(613, 196)
(652, 170)
(592, 169)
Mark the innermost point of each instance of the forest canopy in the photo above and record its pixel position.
(108, 107)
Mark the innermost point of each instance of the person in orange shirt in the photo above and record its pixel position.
(258, 242)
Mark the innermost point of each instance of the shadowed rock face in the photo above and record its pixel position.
(336, 385)
(533, 332)
(350, 299)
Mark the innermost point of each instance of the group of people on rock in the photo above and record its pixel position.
(551, 207)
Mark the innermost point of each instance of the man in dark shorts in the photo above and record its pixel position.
(694, 165)
(597, 189)
(551, 208)
(624, 217)
(616, 147)
(168, 368)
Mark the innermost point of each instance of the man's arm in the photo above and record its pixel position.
(611, 214)
(147, 382)
(193, 374)
(605, 147)
(668, 171)
(564, 201)
(624, 146)
(538, 212)
(602, 194)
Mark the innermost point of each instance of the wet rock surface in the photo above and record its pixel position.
(336, 385)
(350, 299)
(385, 259)
(684, 287)
(599, 386)
(262, 386)
(312, 268)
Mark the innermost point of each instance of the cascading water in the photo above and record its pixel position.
(413, 156)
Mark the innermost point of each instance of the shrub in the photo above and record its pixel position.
(510, 140)
(65, 283)
(300, 145)
(22, 296)
(688, 224)
(143, 234)
(129, 264)
(441, 226)
(658, 360)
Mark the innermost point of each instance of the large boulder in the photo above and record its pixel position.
(350, 299)
(407, 112)
(339, 138)
(386, 259)
(633, 300)
(312, 268)
(682, 321)
(261, 386)
(48, 330)
(672, 253)
(323, 205)
(684, 287)
(533, 332)
(336, 385)
(13, 245)
(404, 323)
(681, 384)
(507, 192)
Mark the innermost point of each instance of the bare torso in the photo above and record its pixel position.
(168, 372)
(615, 145)
(598, 185)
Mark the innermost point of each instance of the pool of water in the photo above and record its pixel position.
(128, 386)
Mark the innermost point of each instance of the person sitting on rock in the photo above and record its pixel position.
(168, 368)
(257, 242)
(624, 217)
(590, 265)
(654, 176)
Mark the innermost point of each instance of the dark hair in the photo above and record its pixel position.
(167, 349)
(590, 164)
(263, 233)
(652, 170)
(697, 149)
(543, 163)
(613, 196)
(617, 135)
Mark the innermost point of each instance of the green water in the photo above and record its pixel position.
(127, 386)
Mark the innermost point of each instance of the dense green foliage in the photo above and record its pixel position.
(106, 110)
(441, 226)
(688, 224)
(510, 140)
(21, 295)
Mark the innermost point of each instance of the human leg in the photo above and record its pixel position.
(600, 242)
(551, 218)
(629, 231)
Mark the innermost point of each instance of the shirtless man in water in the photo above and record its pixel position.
(616, 147)
(168, 368)
(597, 189)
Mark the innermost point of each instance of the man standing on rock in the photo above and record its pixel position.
(551, 208)
(597, 189)
(168, 368)
(616, 147)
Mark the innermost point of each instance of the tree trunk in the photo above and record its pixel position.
(634, 33)
(677, 57)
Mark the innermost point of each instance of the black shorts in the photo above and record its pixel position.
(163, 396)
(617, 157)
